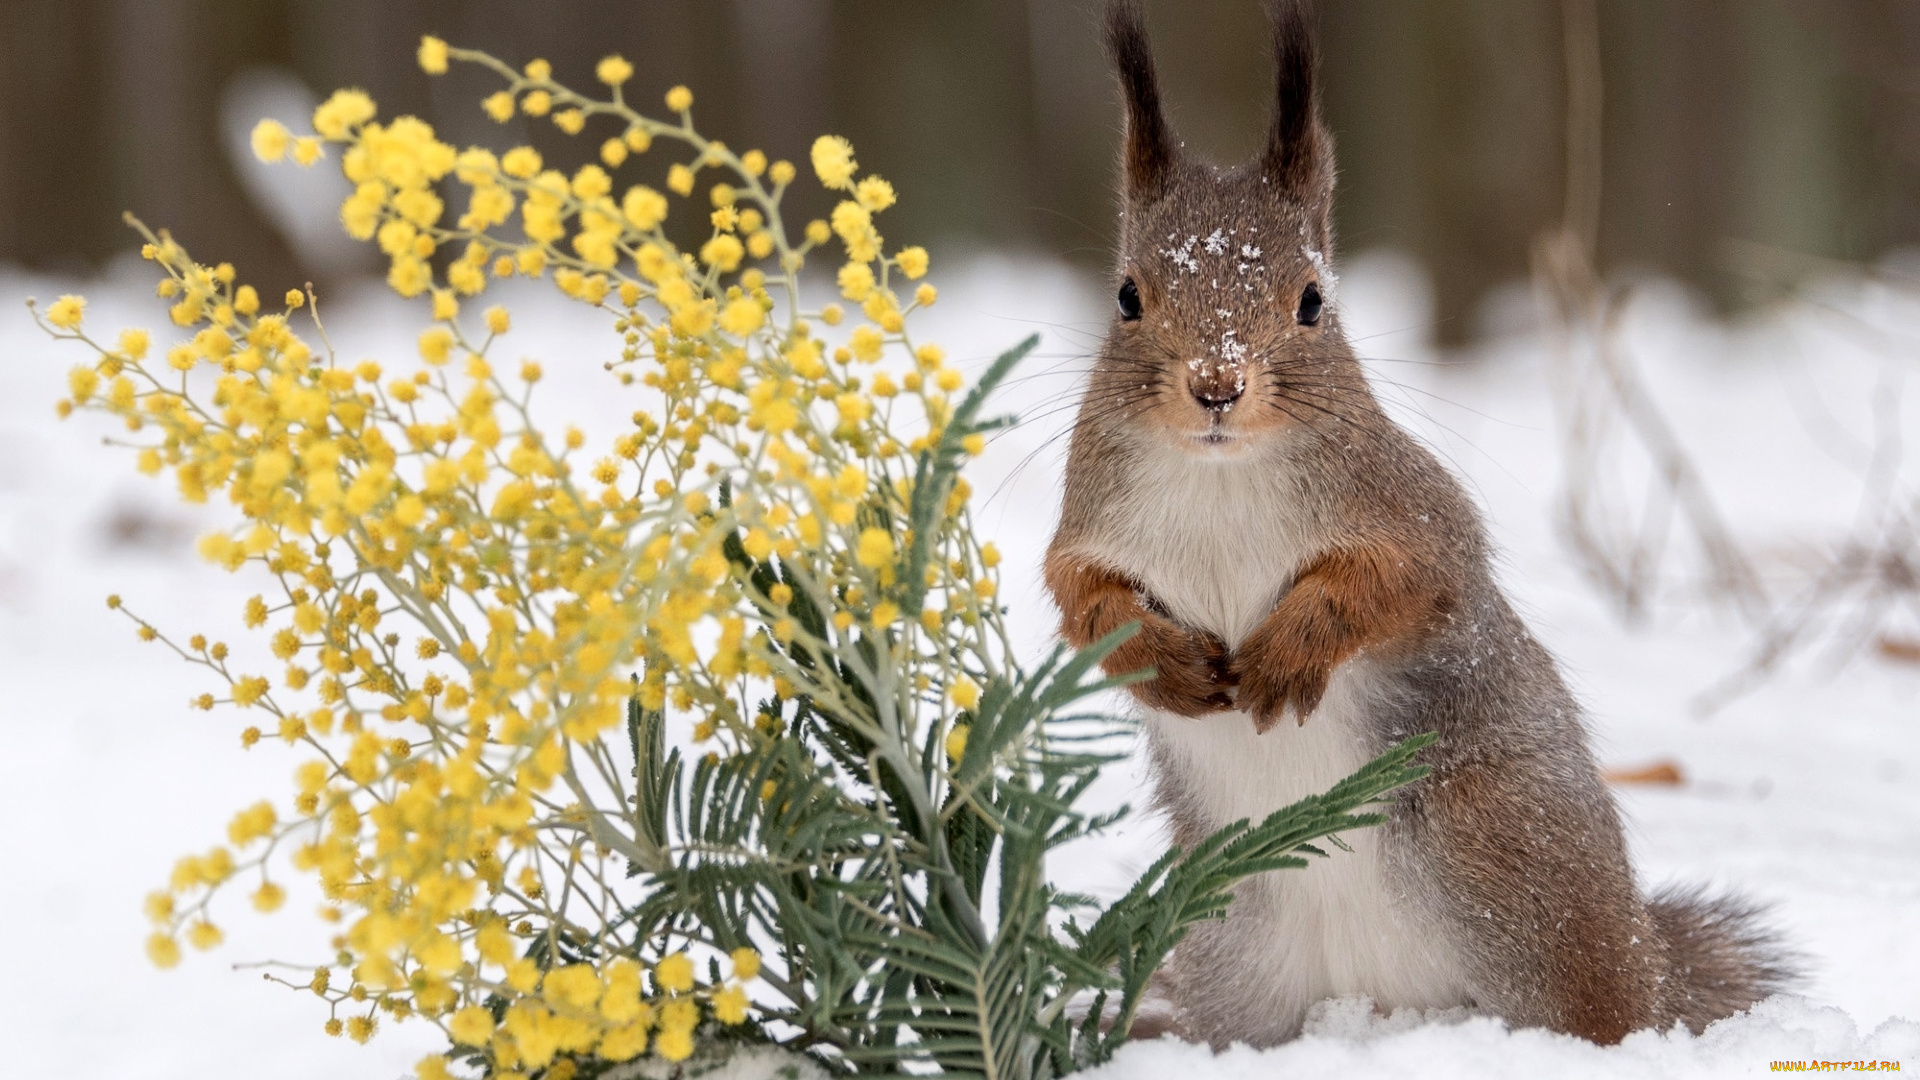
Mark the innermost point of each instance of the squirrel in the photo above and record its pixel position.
(1289, 553)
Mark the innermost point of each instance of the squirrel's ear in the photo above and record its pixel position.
(1149, 157)
(1297, 146)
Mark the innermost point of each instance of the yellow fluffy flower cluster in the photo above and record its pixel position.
(458, 606)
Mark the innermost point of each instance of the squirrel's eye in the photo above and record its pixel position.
(1129, 300)
(1309, 304)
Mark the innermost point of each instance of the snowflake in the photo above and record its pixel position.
(1232, 350)
(1183, 257)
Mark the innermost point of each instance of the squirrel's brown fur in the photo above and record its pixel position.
(1234, 487)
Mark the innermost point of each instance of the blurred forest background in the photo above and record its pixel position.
(1790, 124)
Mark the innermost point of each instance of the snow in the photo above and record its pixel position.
(1799, 794)
(1183, 256)
(1328, 280)
(1344, 1039)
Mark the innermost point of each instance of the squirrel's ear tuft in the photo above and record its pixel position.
(1149, 156)
(1297, 147)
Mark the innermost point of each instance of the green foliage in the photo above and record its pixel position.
(902, 898)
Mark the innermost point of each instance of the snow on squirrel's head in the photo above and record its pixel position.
(1225, 334)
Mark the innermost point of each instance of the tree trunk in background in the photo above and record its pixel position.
(1877, 44)
(162, 134)
(52, 99)
(1673, 92)
(1448, 117)
(1073, 113)
(784, 47)
(152, 112)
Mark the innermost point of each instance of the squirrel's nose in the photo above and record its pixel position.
(1217, 397)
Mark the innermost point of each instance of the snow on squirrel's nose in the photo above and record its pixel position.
(1216, 383)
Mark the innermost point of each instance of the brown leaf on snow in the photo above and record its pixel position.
(1664, 773)
(1905, 650)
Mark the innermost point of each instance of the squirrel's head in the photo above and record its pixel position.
(1225, 334)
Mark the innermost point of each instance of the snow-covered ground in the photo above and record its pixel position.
(1800, 794)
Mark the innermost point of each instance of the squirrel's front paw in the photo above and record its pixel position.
(1192, 676)
(1268, 686)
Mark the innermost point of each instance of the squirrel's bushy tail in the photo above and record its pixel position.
(1723, 959)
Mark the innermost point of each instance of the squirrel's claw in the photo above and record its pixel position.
(1267, 697)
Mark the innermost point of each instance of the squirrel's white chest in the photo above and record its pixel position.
(1215, 541)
